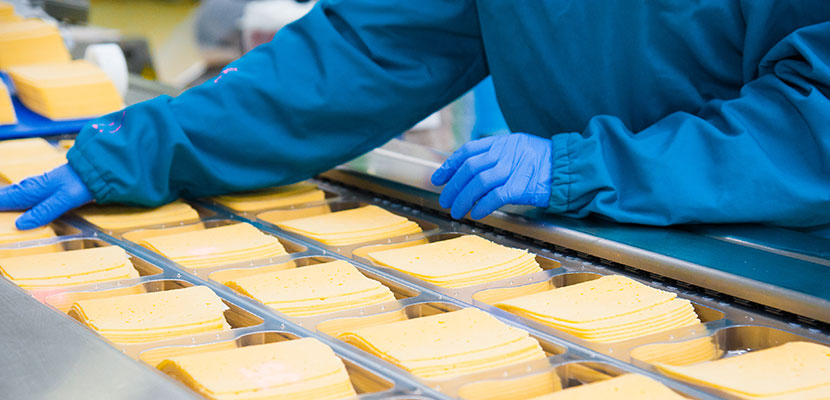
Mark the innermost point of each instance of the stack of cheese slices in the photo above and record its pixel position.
(217, 246)
(30, 41)
(623, 387)
(66, 90)
(7, 114)
(10, 234)
(148, 317)
(7, 13)
(314, 289)
(294, 369)
(283, 196)
(609, 309)
(123, 217)
(22, 158)
(447, 345)
(68, 268)
(357, 225)
(463, 261)
(792, 371)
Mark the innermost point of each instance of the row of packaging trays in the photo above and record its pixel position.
(733, 328)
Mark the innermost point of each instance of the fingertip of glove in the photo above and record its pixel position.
(25, 223)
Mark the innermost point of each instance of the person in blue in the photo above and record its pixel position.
(651, 112)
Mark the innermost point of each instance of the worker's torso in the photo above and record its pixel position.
(557, 63)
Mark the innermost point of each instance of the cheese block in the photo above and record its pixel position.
(283, 196)
(68, 90)
(7, 114)
(7, 13)
(357, 225)
(68, 268)
(10, 234)
(447, 345)
(217, 246)
(314, 289)
(463, 261)
(123, 217)
(14, 171)
(30, 41)
(623, 387)
(148, 317)
(794, 370)
(294, 369)
(609, 309)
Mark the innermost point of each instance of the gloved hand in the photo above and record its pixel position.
(486, 174)
(47, 196)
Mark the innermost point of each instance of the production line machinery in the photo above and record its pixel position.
(750, 291)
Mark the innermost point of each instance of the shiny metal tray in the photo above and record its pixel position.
(732, 327)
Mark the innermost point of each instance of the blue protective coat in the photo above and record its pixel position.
(660, 112)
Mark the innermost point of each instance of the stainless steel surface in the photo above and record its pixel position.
(45, 355)
(788, 276)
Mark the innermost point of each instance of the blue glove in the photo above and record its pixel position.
(486, 174)
(47, 196)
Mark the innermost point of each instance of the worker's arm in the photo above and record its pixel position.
(342, 80)
(762, 157)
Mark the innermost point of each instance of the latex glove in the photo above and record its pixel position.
(46, 196)
(486, 174)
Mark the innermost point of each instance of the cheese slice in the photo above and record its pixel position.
(352, 226)
(123, 217)
(508, 389)
(294, 369)
(16, 170)
(66, 90)
(7, 13)
(147, 317)
(10, 234)
(216, 246)
(7, 114)
(314, 289)
(283, 196)
(623, 387)
(463, 261)
(447, 345)
(25, 149)
(609, 309)
(797, 370)
(68, 268)
(30, 41)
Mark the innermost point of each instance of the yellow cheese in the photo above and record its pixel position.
(609, 309)
(10, 234)
(459, 262)
(295, 369)
(25, 149)
(68, 268)
(624, 387)
(7, 13)
(314, 289)
(14, 171)
(139, 235)
(448, 344)
(147, 317)
(30, 41)
(216, 246)
(282, 196)
(797, 370)
(683, 353)
(68, 90)
(123, 217)
(508, 389)
(352, 226)
(7, 114)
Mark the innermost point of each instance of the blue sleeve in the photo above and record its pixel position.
(342, 80)
(761, 157)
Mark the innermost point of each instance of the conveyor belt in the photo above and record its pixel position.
(734, 324)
